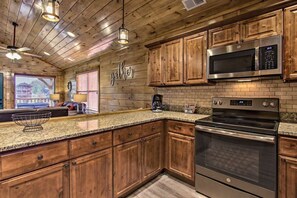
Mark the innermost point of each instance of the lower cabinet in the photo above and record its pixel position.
(136, 162)
(181, 155)
(127, 167)
(287, 177)
(44, 183)
(91, 175)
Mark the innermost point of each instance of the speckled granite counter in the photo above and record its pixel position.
(12, 137)
(287, 129)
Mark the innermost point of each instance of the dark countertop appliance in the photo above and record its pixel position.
(236, 149)
(252, 59)
(157, 105)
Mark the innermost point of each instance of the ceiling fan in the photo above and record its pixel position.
(13, 52)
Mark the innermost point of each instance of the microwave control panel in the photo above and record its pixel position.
(268, 57)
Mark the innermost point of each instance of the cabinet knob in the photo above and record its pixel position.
(177, 127)
(153, 128)
(74, 163)
(94, 143)
(39, 157)
(129, 134)
(66, 165)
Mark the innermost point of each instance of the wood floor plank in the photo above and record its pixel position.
(166, 186)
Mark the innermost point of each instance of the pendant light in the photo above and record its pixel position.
(123, 32)
(50, 10)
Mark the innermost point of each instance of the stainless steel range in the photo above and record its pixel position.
(236, 149)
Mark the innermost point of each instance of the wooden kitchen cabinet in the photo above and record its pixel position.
(173, 62)
(48, 182)
(91, 175)
(266, 25)
(290, 43)
(225, 35)
(155, 70)
(127, 167)
(152, 156)
(287, 177)
(195, 47)
(181, 155)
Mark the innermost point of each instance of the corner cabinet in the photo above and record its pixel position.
(290, 38)
(287, 167)
(179, 62)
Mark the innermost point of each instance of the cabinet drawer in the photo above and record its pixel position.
(288, 146)
(31, 159)
(152, 128)
(127, 134)
(181, 128)
(90, 144)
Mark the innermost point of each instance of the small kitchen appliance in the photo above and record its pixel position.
(157, 106)
(236, 149)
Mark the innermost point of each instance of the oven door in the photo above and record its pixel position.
(242, 160)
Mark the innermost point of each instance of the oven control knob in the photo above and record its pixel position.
(220, 102)
(215, 102)
(265, 104)
(272, 104)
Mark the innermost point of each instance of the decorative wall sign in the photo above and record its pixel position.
(121, 73)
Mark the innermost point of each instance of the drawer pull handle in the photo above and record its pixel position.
(39, 157)
(94, 143)
(177, 127)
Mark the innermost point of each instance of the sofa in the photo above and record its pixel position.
(6, 114)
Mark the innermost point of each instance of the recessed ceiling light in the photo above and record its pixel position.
(46, 53)
(71, 34)
(70, 59)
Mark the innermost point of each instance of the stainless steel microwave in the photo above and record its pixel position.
(262, 57)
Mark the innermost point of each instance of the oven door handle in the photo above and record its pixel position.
(237, 134)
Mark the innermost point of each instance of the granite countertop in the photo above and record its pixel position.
(12, 137)
(287, 129)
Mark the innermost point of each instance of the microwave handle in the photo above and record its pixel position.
(257, 57)
(236, 134)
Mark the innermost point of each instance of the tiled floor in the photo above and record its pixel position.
(166, 186)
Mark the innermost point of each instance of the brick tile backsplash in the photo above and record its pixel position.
(202, 95)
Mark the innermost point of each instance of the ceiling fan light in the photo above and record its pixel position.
(123, 36)
(50, 10)
(13, 55)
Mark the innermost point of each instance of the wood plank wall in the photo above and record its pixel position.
(125, 94)
(29, 66)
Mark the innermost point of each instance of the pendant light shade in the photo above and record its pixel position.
(50, 10)
(123, 32)
(13, 55)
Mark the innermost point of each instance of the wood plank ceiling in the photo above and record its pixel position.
(95, 24)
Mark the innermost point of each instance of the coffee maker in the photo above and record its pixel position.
(157, 106)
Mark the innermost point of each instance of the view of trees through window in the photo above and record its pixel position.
(33, 91)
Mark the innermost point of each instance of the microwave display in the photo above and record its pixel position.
(268, 57)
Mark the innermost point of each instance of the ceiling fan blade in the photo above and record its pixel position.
(33, 55)
(23, 49)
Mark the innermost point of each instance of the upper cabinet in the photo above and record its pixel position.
(262, 26)
(266, 25)
(182, 61)
(155, 67)
(225, 35)
(173, 62)
(290, 38)
(195, 47)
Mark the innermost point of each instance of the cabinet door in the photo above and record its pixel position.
(127, 167)
(173, 62)
(195, 58)
(290, 43)
(91, 175)
(181, 155)
(287, 177)
(44, 183)
(155, 70)
(266, 25)
(152, 155)
(225, 35)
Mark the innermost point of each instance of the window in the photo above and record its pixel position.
(87, 83)
(33, 91)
